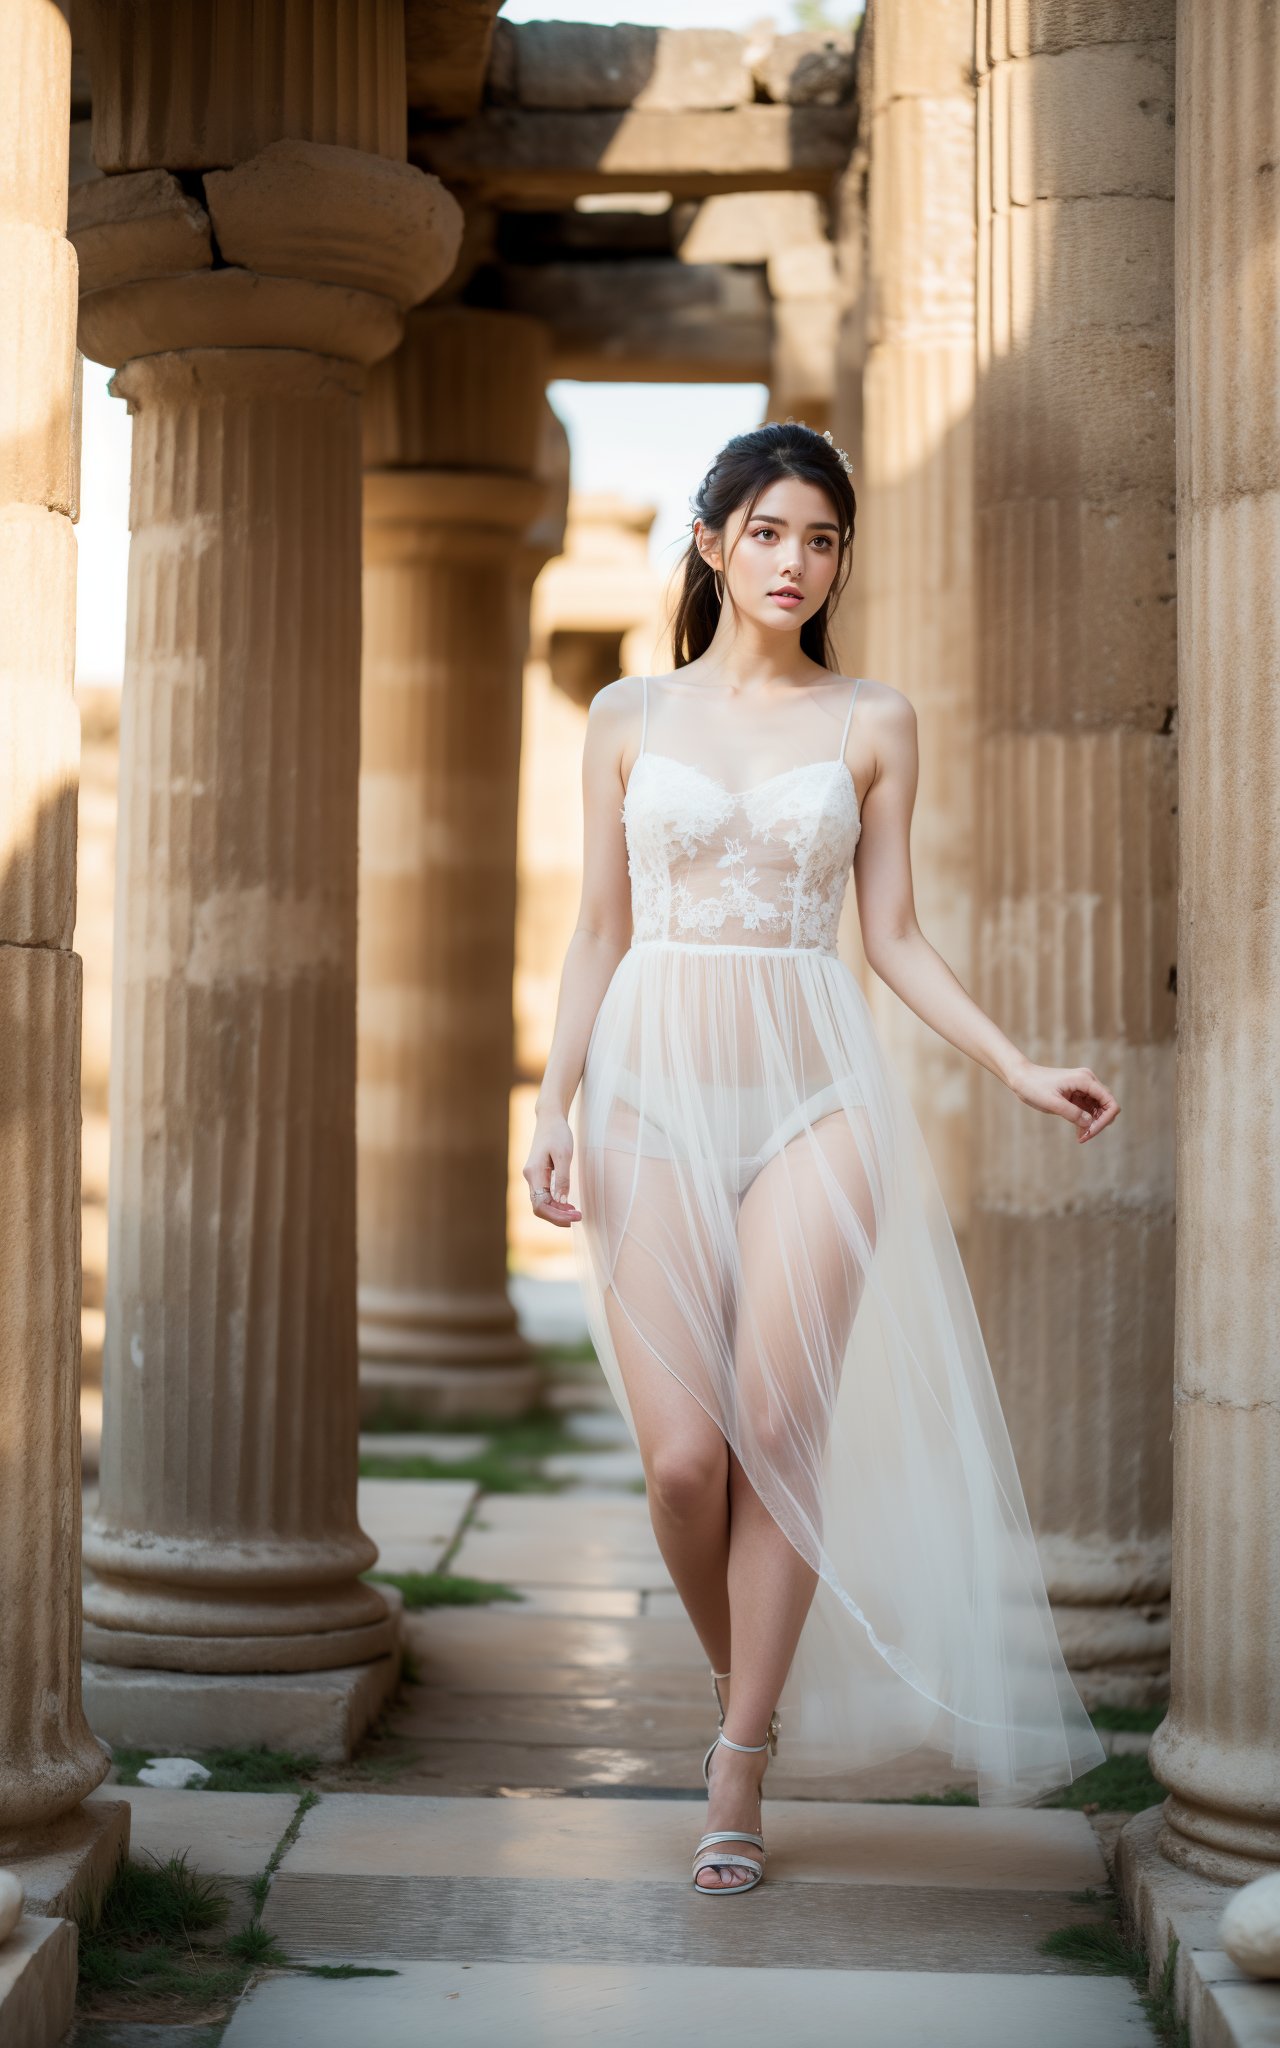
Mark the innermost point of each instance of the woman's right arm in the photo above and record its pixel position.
(601, 936)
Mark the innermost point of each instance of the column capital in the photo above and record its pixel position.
(425, 512)
(306, 245)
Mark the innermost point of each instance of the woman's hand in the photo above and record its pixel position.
(1073, 1092)
(547, 1171)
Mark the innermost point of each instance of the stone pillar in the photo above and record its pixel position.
(49, 1759)
(226, 1537)
(453, 425)
(917, 501)
(1217, 1750)
(1076, 849)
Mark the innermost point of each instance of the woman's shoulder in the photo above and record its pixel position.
(618, 700)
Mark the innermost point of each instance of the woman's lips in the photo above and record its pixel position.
(789, 599)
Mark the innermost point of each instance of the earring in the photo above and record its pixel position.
(718, 582)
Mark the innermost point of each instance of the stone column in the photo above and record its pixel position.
(453, 424)
(49, 1759)
(1076, 850)
(1217, 1750)
(226, 1537)
(917, 501)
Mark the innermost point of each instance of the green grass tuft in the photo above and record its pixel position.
(1123, 1784)
(953, 1796)
(233, 1770)
(1129, 1720)
(1098, 1946)
(445, 1589)
(342, 1970)
(135, 1940)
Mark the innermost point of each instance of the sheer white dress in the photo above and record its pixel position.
(761, 1218)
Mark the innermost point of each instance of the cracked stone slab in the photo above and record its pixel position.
(556, 2005)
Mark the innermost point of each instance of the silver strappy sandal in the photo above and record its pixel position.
(706, 1856)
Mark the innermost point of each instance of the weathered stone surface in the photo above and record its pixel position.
(1076, 856)
(140, 224)
(1216, 1751)
(239, 74)
(324, 1712)
(38, 1981)
(48, 1756)
(524, 156)
(582, 66)
(647, 319)
(447, 48)
(750, 227)
(337, 216)
(812, 68)
(237, 1540)
(460, 415)
(232, 308)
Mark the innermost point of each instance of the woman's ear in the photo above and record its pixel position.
(708, 545)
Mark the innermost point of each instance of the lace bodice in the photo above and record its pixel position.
(763, 865)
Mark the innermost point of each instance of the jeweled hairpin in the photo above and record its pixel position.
(839, 453)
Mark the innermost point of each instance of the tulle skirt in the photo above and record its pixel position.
(761, 1219)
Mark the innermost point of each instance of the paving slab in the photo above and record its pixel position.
(602, 1540)
(446, 1447)
(412, 1521)
(90, 2033)
(558, 1722)
(991, 1848)
(602, 1428)
(550, 2005)
(467, 1639)
(603, 1603)
(227, 1835)
(621, 1468)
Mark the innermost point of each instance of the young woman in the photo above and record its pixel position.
(771, 1279)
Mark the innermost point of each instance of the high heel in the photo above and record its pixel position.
(705, 1856)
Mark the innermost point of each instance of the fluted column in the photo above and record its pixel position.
(49, 1759)
(226, 1537)
(453, 425)
(917, 537)
(1073, 1246)
(1217, 1750)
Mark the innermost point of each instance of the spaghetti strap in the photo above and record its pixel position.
(844, 737)
(644, 717)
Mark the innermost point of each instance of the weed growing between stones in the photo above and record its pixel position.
(444, 1589)
(233, 1770)
(137, 1952)
(1109, 1947)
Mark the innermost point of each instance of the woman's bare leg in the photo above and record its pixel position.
(787, 1379)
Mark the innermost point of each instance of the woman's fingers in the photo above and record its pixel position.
(1091, 1106)
(548, 1180)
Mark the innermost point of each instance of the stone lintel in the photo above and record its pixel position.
(323, 1712)
(536, 159)
(654, 318)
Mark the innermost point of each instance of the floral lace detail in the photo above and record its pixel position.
(785, 875)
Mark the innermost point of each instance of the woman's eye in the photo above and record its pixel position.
(761, 531)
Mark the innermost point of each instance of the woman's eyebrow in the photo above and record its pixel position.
(773, 519)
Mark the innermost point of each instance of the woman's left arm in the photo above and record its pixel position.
(900, 954)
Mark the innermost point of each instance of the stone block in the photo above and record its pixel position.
(38, 1982)
(412, 1521)
(39, 729)
(812, 68)
(580, 66)
(1222, 2008)
(140, 224)
(1025, 27)
(1092, 121)
(551, 2004)
(227, 1835)
(39, 446)
(234, 308)
(337, 216)
(70, 1863)
(921, 49)
(749, 227)
(321, 1712)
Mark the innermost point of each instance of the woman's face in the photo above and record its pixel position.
(782, 560)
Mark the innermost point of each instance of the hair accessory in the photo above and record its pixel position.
(841, 457)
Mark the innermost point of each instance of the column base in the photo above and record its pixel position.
(1219, 2006)
(1117, 1655)
(448, 1393)
(322, 1712)
(70, 1862)
(328, 1650)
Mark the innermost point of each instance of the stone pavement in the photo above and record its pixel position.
(521, 1862)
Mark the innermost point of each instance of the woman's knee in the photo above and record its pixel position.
(685, 1477)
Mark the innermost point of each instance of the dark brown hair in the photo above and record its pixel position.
(742, 472)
